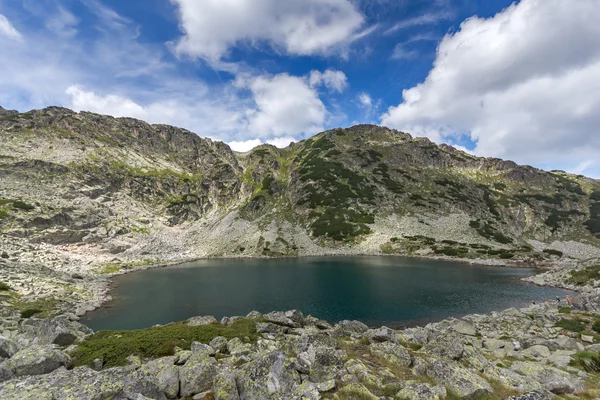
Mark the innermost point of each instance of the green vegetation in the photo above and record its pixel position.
(486, 230)
(589, 361)
(583, 276)
(9, 204)
(573, 325)
(451, 251)
(558, 217)
(553, 252)
(115, 346)
(565, 310)
(4, 287)
(30, 312)
(596, 326)
(593, 224)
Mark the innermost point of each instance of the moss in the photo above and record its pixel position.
(4, 287)
(115, 346)
(573, 325)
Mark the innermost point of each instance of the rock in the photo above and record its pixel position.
(383, 334)
(136, 383)
(225, 385)
(292, 318)
(594, 348)
(208, 395)
(552, 379)
(568, 343)
(561, 358)
(219, 343)
(5, 255)
(164, 374)
(202, 320)
(254, 315)
(349, 328)
(228, 321)
(236, 347)
(391, 352)
(535, 395)
(449, 346)
(419, 391)
(461, 381)
(59, 331)
(5, 373)
(271, 328)
(587, 338)
(8, 348)
(494, 344)
(356, 391)
(37, 360)
(198, 347)
(327, 361)
(536, 351)
(197, 375)
(465, 328)
(269, 376)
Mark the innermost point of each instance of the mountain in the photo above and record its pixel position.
(104, 190)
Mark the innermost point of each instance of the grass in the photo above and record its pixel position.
(573, 325)
(30, 312)
(4, 287)
(596, 326)
(589, 361)
(584, 276)
(115, 346)
(565, 310)
(44, 307)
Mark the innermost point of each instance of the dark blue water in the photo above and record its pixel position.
(391, 291)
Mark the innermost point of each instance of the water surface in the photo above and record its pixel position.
(391, 291)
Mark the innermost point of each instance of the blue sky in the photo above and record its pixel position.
(517, 80)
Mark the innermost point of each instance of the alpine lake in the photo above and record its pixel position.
(392, 291)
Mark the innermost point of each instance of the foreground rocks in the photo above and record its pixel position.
(519, 354)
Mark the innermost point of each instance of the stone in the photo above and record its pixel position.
(449, 346)
(8, 348)
(5, 373)
(594, 348)
(291, 319)
(270, 376)
(202, 320)
(383, 334)
(219, 343)
(537, 351)
(164, 374)
(587, 338)
(534, 395)
(37, 360)
(356, 391)
(327, 361)
(58, 331)
(236, 347)
(271, 328)
(208, 395)
(254, 315)
(137, 383)
(465, 328)
(418, 391)
(568, 343)
(461, 381)
(391, 352)
(225, 385)
(198, 347)
(552, 379)
(561, 358)
(197, 375)
(349, 328)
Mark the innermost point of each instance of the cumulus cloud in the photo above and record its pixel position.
(285, 106)
(332, 79)
(247, 145)
(301, 27)
(524, 84)
(365, 100)
(8, 30)
(118, 106)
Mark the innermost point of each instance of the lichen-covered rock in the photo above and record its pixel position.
(537, 351)
(530, 396)
(362, 373)
(327, 362)
(197, 374)
(198, 347)
(236, 347)
(270, 376)
(5, 373)
(391, 352)
(8, 347)
(59, 331)
(271, 328)
(219, 344)
(465, 328)
(164, 374)
(383, 334)
(356, 391)
(225, 385)
(291, 318)
(202, 320)
(137, 383)
(449, 346)
(37, 360)
(461, 381)
(349, 328)
(552, 379)
(419, 391)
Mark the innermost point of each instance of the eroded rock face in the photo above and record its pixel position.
(458, 380)
(8, 348)
(37, 360)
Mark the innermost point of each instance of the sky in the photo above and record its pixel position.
(515, 80)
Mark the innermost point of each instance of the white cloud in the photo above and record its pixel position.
(424, 19)
(63, 23)
(285, 106)
(401, 53)
(365, 100)
(524, 84)
(82, 100)
(8, 30)
(332, 79)
(247, 145)
(302, 27)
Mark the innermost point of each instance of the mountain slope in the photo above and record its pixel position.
(109, 190)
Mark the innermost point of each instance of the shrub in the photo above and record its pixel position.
(506, 255)
(22, 206)
(565, 310)
(115, 346)
(596, 326)
(573, 325)
(589, 361)
(553, 252)
(584, 276)
(4, 287)
(30, 312)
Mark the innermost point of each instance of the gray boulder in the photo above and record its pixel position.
(383, 334)
(391, 352)
(5, 373)
(461, 381)
(535, 395)
(197, 375)
(219, 343)
(37, 360)
(269, 377)
(552, 379)
(292, 318)
(137, 383)
(465, 328)
(8, 348)
(271, 328)
(449, 346)
(202, 320)
(225, 385)
(349, 328)
(59, 331)
(420, 391)
(164, 374)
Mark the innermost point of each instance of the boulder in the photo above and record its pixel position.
(356, 391)
(137, 383)
(202, 320)
(236, 347)
(269, 376)
(391, 352)
(535, 395)
(561, 358)
(449, 346)
(58, 331)
(420, 391)
(197, 375)
(37, 360)
(8, 348)
(461, 381)
(271, 328)
(225, 385)
(198, 347)
(327, 361)
(537, 351)
(551, 379)
(465, 328)
(164, 374)
(219, 343)
(349, 328)
(292, 318)
(383, 334)
(5, 373)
